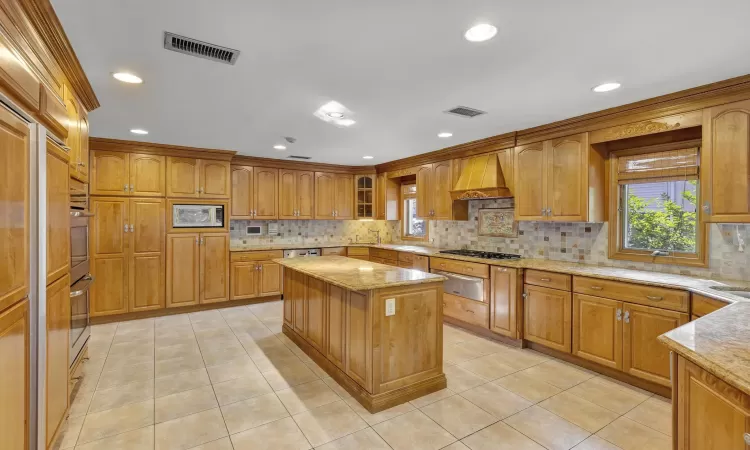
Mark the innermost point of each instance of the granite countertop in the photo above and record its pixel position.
(357, 275)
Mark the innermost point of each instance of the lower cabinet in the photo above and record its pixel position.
(504, 284)
(466, 310)
(197, 268)
(14, 382)
(214, 267)
(254, 274)
(315, 322)
(547, 317)
(597, 330)
(58, 362)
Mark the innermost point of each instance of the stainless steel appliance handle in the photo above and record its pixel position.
(460, 277)
(89, 279)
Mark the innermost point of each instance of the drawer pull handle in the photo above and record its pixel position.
(596, 288)
(546, 280)
(469, 311)
(654, 298)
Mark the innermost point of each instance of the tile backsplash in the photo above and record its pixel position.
(577, 242)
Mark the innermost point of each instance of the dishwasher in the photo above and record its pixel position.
(463, 285)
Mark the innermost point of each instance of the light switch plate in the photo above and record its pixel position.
(390, 307)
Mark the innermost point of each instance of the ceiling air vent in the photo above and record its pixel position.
(298, 157)
(194, 47)
(464, 111)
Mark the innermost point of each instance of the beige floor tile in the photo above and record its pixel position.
(328, 422)
(307, 396)
(285, 377)
(205, 325)
(185, 349)
(190, 431)
(253, 412)
(179, 364)
(520, 359)
(174, 339)
(578, 411)
(461, 352)
(549, 430)
(215, 355)
(243, 388)
(486, 346)
(459, 416)
(460, 379)
(490, 367)
(607, 394)
(135, 325)
(596, 443)
(115, 362)
(414, 431)
(184, 403)
(500, 437)
(631, 435)
(219, 444)
(336, 387)
(316, 369)
(115, 421)
(563, 376)
(131, 349)
(274, 358)
(238, 368)
(382, 416)
(283, 434)
(172, 321)
(432, 398)
(70, 429)
(121, 395)
(366, 439)
(655, 413)
(529, 388)
(183, 330)
(80, 404)
(141, 439)
(126, 375)
(134, 336)
(497, 401)
(178, 382)
(458, 445)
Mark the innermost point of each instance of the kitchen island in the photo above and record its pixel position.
(375, 329)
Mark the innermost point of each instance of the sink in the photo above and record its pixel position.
(739, 291)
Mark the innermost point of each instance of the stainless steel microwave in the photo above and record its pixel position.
(197, 216)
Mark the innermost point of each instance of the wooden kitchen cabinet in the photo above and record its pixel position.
(365, 196)
(183, 269)
(147, 175)
(289, 278)
(58, 212)
(424, 191)
(334, 196)
(531, 186)
(270, 278)
(296, 194)
(108, 244)
(725, 163)
(434, 185)
(241, 206)
(295, 288)
(243, 280)
(198, 178)
(214, 179)
(315, 315)
(214, 267)
(110, 173)
(597, 330)
(387, 193)
(504, 284)
(335, 340)
(83, 171)
(14, 382)
(73, 141)
(547, 317)
(254, 274)
(254, 193)
(57, 348)
(344, 196)
(146, 254)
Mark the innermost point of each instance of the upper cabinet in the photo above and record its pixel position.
(147, 175)
(127, 174)
(365, 196)
(387, 194)
(559, 180)
(725, 157)
(53, 113)
(78, 137)
(254, 192)
(198, 178)
(334, 196)
(434, 185)
(214, 179)
(296, 194)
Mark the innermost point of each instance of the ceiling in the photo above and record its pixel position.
(396, 64)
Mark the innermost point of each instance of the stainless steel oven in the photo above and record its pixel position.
(80, 278)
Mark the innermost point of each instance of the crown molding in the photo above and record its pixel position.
(118, 145)
(243, 160)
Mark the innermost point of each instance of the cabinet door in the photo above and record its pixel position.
(567, 178)
(183, 177)
(110, 173)
(58, 345)
(358, 332)
(243, 280)
(725, 161)
(147, 264)
(298, 293)
(83, 167)
(288, 298)
(108, 244)
(305, 195)
(183, 269)
(287, 194)
(242, 192)
(344, 197)
(147, 175)
(265, 196)
(214, 267)
(14, 213)
(315, 314)
(424, 192)
(215, 179)
(58, 213)
(643, 355)
(73, 141)
(597, 330)
(547, 316)
(530, 182)
(270, 278)
(364, 196)
(503, 295)
(335, 342)
(14, 383)
(442, 180)
(380, 193)
(324, 195)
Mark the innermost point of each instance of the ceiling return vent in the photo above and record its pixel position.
(194, 47)
(465, 111)
(298, 157)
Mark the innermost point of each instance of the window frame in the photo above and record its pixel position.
(405, 221)
(616, 245)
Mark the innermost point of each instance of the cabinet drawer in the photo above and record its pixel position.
(259, 255)
(385, 254)
(406, 256)
(470, 311)
(462, 267)
(358, 251)
(334, 251)
(633, 293)
(405, 264)
(705, 305)
(548, 279)
(375, 259)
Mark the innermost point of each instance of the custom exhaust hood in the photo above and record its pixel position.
(481, 177)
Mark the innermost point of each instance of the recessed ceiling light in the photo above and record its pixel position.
(480, 33)
(445, 135)
(606, 87)
(335, 115)
(126, 77)
(138, 131)
(346, 122)
(367, 157)
(280, 147)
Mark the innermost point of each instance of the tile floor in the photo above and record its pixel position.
(229, 379)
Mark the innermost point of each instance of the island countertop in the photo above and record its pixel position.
(357, 275)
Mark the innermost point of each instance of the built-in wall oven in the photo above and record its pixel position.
(80, 278)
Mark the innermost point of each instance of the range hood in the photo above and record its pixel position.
(481, 177)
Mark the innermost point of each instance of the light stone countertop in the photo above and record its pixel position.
(357, 275)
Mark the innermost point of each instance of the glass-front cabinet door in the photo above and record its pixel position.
(365, 196)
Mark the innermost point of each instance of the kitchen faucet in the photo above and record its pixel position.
(377, 232)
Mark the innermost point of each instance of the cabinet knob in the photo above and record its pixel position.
(125, 228)
(546, 280)
(654, 298)
(595, 288)
(131, 188)
(619, 314)
(747, 438)
(707, 209)
(131, 227)
(125, 188)
(627, 316)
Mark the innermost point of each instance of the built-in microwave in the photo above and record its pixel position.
(197, 216)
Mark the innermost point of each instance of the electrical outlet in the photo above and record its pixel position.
(390, 307)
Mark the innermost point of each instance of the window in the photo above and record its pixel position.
(414, 227)
(655, 197)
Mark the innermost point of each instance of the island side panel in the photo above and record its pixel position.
(335, 342)
(315, 312)
(359, 338)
